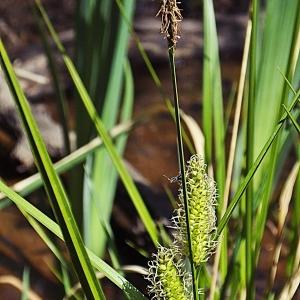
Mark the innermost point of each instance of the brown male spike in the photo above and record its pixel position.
(170, 19)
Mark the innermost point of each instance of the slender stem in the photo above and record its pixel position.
(182, 164)
(250, 152)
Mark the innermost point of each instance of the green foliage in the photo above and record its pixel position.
(28, 209)
(102, 132)
(267, 133)
(55, 191)
(103, 67)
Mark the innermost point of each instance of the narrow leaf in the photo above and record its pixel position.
(57, 196)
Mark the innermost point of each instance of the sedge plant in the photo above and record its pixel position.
(244, 260)
(262, 137)
(195, 218)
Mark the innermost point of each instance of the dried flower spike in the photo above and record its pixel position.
(201, 192)
(170, 18)
(168, 280)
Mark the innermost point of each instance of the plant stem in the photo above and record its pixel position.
(250, 151)
(182, 164)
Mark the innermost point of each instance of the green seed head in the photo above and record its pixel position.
(201, 194)
(168, 280)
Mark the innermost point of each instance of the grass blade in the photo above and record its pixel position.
(102, 132)
(33, 182)
(248, 220)
(297, 127)
(232, 151)
(212, 96)
(212, 115)
(57, 196)
(26, 283)
(108, 71)
(98, 263)
(195, 132)
(278, 31)
(291, 32)
(104, 179)
(254, 167)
